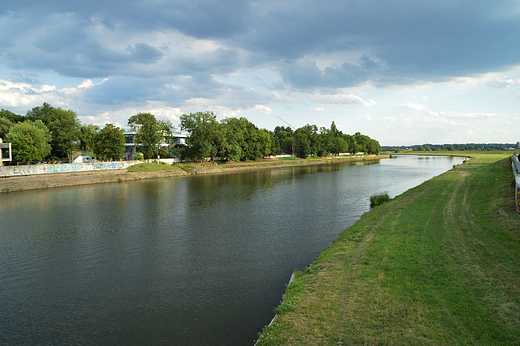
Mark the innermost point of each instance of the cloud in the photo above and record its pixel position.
(500, 83)
(340, 99)
(449, 114)
(414, 106)
(418, 107)
(263, 57)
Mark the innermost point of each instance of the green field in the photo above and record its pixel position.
(437, 265)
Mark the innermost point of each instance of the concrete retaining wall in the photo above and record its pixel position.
(11, 171)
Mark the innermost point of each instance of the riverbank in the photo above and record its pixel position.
(437, 265)
(44, 181)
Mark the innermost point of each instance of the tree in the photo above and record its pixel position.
(63, 125)
(339, 146)
(5, 126)
(302, 144)
(373, 147)
(167, 131)
(362, 141)
(29, 141)
(149, 135)
(87, 137)
(110, 143)
(205, 137)
(12, 117)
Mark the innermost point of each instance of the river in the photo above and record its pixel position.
(198, 260)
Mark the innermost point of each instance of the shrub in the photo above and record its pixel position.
(139, 156)
(379, 199)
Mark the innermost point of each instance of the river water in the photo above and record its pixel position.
(199, 260)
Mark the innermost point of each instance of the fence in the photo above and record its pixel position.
(516, 172)
(12, 171)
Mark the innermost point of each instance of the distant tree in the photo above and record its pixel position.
(263, 143)
(373, 147)
(29, 141)
(167, 130)
(12, 117)
(63, 125)
(353, 146)
(87, 137)
(362, 141)
(339, 145)
(149, 135)
(5, 125)
(110, 143)
(288, 145)
(302, 146)
(205, 135)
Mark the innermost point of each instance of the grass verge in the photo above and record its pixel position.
(150, 167)
(437, 265)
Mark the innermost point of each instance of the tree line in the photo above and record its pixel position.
(238, 139)
(50, 133)
(454, 147)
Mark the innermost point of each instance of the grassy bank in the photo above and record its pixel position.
(437, 265)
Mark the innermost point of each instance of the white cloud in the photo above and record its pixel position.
(419, 107)
(340, 99)
(318, 109)
(472, 115)
(413, 106)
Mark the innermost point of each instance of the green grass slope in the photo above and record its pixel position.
(437, 265)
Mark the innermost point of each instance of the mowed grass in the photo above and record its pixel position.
(437, 265)
(150, 167)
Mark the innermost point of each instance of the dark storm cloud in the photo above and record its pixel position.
(403, 42)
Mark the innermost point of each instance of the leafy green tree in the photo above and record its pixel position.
(63, 125)
(340, 145)
(373, 147)
(263, 143)
(167, 131)
(5, 126)
(362, 141)
(275, 144)
(353, 146)
(110, 143)
(12, 117)
(87, 137)
(29, 141)
(149, 135)
(205, 137)
(302, 144)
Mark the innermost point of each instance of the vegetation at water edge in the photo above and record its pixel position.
(379, 199)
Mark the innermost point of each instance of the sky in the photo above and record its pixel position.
(402, 72)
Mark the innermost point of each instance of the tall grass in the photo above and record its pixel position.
(379, 198)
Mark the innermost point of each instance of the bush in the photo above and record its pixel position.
(139, 156)
(379, 199)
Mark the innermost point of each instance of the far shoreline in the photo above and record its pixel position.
(46, 181)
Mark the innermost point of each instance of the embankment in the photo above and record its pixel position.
(437, 265)
(44, 181)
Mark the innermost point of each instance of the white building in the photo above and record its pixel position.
(131, 148)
